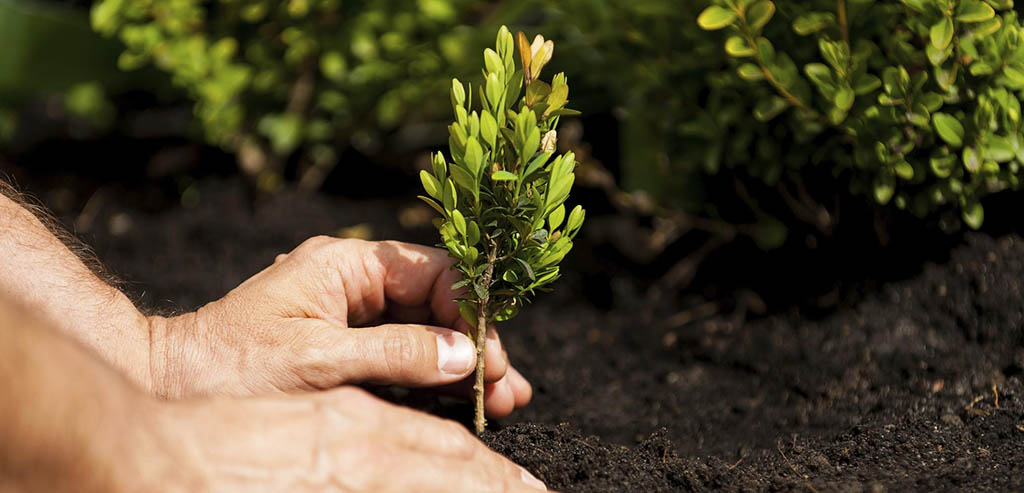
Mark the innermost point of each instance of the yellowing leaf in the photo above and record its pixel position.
(714, 18)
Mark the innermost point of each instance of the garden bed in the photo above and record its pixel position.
(912, 384)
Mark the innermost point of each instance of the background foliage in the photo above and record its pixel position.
(761, 124)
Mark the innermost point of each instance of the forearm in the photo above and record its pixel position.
(67, 422)
(39, 272)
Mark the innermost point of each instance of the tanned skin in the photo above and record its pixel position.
(250, 392)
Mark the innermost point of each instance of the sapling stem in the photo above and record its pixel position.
(479, 421)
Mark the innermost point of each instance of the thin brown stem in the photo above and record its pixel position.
(479, 421)
(788, 96)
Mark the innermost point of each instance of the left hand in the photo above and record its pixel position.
(316, 319)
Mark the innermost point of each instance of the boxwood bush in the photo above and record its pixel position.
(912, 105)
(301, 77)
(919, 97)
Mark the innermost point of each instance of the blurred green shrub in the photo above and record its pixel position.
(912, 104)
(919, 98)
(272, 78)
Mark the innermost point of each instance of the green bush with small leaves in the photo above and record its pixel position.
(502, 196)
(918, 98)
(787, 92)
(908, 104)
(274, 79)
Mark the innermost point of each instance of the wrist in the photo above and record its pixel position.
(171, 369)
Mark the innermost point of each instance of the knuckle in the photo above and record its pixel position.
(315, 242)
(402, 351)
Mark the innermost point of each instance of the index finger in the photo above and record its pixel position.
(405, 274)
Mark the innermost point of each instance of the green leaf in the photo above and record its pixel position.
(971, 160)
(531, 145)
(471, 256)
(536, 163)
(949, 128)
(558, 97)
(767, 109)
(510, 276)
(493, 62)
(433, 205)
(943, 166)
(556, 218)
(885, 187)
(979, 68)
(440, 167)
(931, 101)
(988, 27)
(750, 72)
(564, 112)
(459, 221)
(865, 84)
(760, 14)
(714, 18)
(502, 175)
(738, 47)
(491, 93)
(820, 75)
(536, 92)
(468, 312)
(1000, 149)
(937, 56)
(1014, 75)
(489, 129)
(458, 93)
(526, 268)
(811, 23)
(449, 198)
(845, 98)
(941, 33)
(575, 220)
(506, 313)
(479, 290)
(766, 50)
(974, 215)
(904, 170)
(430, 184)
(974, 11)
(465, 180)
(474, 156)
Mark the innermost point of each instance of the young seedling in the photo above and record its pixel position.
(502, 196)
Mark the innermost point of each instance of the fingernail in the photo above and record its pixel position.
(532, 481)
(454, 353)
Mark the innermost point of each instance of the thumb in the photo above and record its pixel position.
(403, 354)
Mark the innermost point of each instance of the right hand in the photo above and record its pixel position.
(314, 321)
(338, 440)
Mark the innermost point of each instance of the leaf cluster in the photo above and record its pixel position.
(502, 195)
(923, 94)
(299, 76)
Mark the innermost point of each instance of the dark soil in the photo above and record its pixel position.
(915, 384)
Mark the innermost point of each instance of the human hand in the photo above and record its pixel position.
(292, 327)
(339, 440)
